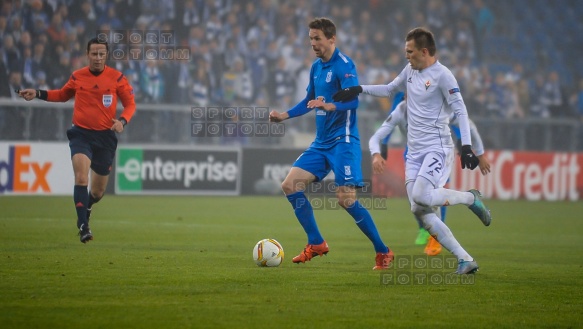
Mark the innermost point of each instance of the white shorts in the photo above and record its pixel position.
(434, 166)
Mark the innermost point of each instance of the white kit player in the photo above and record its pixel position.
(398, 118)
(432, 95)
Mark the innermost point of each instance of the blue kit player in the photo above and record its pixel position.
(336, 146)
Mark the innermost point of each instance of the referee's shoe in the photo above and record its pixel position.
(85, 233)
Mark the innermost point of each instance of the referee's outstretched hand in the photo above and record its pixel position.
(468, 158)
(347, 94)
(27, 94)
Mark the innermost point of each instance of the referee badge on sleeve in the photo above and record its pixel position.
(107, 100)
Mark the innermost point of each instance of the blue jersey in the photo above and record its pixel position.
(326, 78)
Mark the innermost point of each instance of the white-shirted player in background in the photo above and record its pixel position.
(398, 118)
(432, 94)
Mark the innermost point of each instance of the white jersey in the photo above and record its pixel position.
(477, 143)
(432, 95)
(398, 118)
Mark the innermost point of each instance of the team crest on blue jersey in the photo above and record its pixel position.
(347, 171)
(329, 76)
(107, 100)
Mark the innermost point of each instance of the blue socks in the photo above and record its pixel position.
(305, 215)
(443, 212)
(81, 199)
(365, 223)
(419, 221)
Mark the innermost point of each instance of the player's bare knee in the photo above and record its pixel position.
(345, 202)
(346, 199)
(97, 195)
(292, 185)
(287, 187)
(81, 179)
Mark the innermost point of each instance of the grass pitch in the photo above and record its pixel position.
(186, 262)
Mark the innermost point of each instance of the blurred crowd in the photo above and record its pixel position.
(257, 52)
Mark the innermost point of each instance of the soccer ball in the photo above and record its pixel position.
(268, 253)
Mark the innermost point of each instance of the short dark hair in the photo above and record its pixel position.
(423, 39)
(97, 41)
(325, 25)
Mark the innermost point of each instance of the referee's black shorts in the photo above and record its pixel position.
(98, 145)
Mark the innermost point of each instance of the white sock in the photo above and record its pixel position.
(443, 235)
(434, 225)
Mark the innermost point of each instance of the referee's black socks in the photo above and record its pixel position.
(81, 199)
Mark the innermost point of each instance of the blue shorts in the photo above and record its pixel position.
(344, 159)
(98, 145)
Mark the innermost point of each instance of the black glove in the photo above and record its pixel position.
(347, 94)
(468, 158)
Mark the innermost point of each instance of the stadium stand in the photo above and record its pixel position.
(250, 53)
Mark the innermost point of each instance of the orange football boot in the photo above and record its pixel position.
(383, 260)
(310, 251)
(433, 248)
